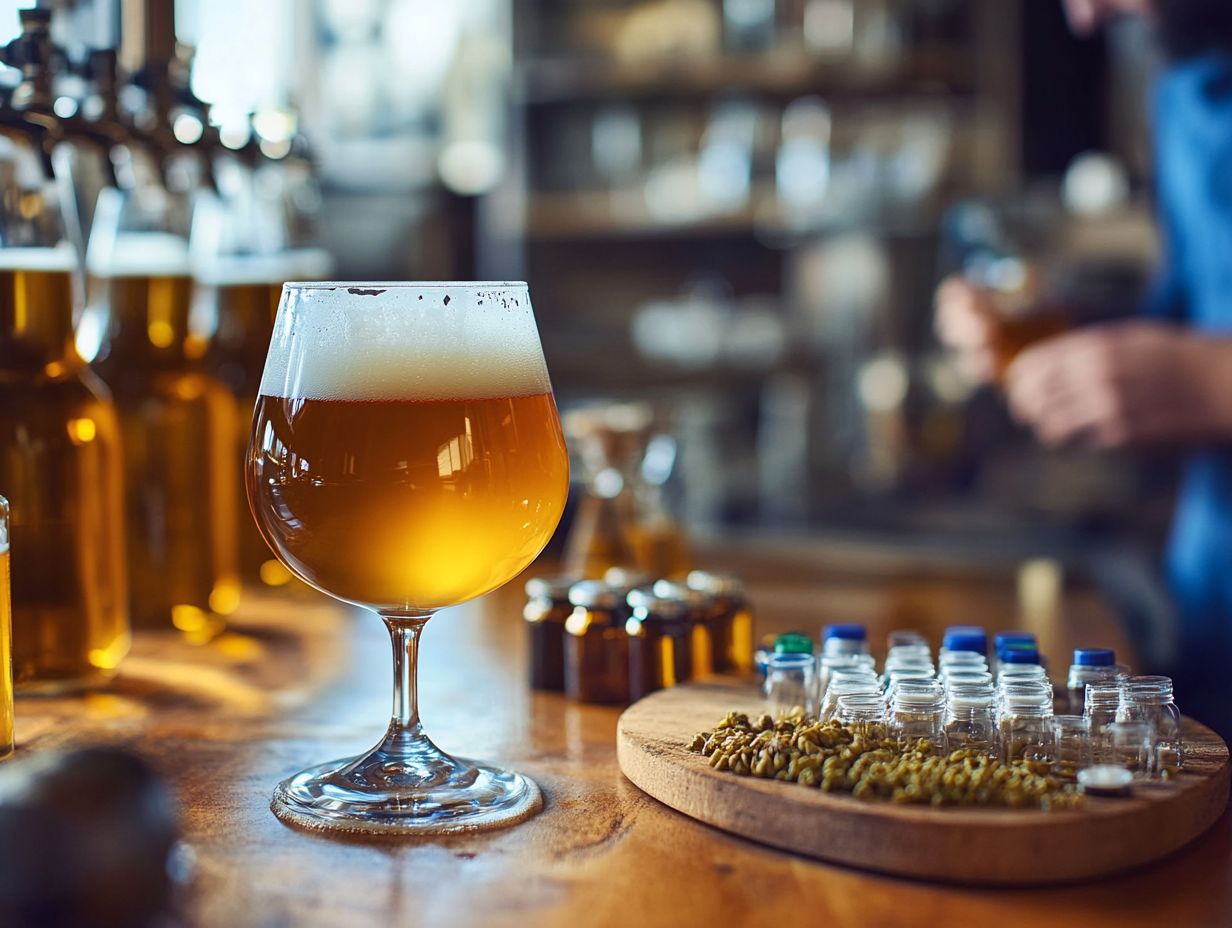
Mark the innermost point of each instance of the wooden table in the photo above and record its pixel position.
(299, 681)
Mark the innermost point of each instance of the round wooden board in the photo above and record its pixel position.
(957, 845)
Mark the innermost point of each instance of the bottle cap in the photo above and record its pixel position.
(793, 643)
(966, 639)
(789, 660)
(1094, 657)
(1005, 639)
(846, 632)
(594, 594)
(1020, 654)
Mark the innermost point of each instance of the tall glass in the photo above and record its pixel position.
(406, 456)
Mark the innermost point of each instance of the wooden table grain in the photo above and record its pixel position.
(298, 680)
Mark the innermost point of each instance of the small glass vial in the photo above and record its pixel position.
(917, 712)
(844, 638)
(971, 719)
(961, 639)
(1026, 723)
(831, 664)
(731, 620)
(950, 661)
(1149, 699)
(790, 684)
(547, 609)
(860, 710)
(1131, 745)
(1020, 663)
(1004, 640)
(597, 645)
(968, 678)
(1103, 700)
(1091, 665)
(1072, 734)
(847, 683)
(904, 637)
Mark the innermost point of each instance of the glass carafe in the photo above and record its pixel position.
(60, 455)
(624, 518)
(177, 420)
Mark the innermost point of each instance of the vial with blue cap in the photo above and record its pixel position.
(1020, 662)
(963, 639)
(842, 638)
(1091, 665)
(1004, 640)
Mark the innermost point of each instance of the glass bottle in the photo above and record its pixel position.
(597, 645)
(971, 719)
(547, 608)
(238, 273)
(1026, 723)
(831, 664)
(177, 420)
(731, 620)
(696, 614)
(660, 642)
(1091, 665)
(1103, 700)
(61, 468)
(789, 686)
(917, 713)
(1149, 699)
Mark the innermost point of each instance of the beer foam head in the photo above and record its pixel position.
(62, 257)
(409, 341)
(138, 254)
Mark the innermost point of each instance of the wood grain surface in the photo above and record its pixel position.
(958, 845)
(298, 681)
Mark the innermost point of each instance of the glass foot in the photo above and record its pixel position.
(381, 794)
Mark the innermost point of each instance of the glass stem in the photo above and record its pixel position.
(405, 734)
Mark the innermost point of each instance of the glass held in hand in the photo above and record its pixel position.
(406, 456)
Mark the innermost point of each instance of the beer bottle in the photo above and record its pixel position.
(60, 457)
(177, 420)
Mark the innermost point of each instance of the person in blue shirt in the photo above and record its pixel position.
(1164, 377)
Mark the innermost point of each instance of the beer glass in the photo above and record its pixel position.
(406, 456)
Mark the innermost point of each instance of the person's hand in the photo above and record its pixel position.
(965, 323)
(1124, 383)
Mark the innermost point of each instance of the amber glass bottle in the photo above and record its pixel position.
(179, 432)
(60, 467)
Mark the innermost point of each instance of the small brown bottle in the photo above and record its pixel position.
(730, 620)
(597, 645)
(547, 609)
(660, 644)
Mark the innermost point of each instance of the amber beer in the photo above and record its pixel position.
(245, 311)
(180, 478)
(408, 504)
(62, 473)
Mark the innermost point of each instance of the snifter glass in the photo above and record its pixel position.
(406, 456)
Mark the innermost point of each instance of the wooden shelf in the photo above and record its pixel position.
(568, 80)
(603, 215)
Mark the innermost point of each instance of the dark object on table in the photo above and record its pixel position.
(86, 838)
